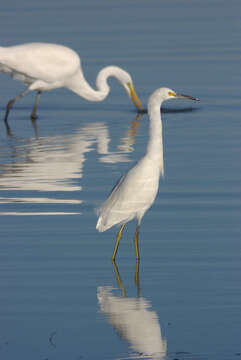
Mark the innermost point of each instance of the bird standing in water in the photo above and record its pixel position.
(136, 191)
(43, 66)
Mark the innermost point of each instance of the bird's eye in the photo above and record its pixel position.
(172, 93)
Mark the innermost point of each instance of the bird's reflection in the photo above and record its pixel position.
(126, 144)
(56, 163)
(128, 140)
(133, 319)
(34, 125)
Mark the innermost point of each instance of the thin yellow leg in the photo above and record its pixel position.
(118, 237)
(136, 238)
(118, 279)
(137, 280)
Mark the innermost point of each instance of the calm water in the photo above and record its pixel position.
(60, 296)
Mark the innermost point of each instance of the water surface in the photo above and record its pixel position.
(56, 270)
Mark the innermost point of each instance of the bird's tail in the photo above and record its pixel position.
(103, 224)
(99, 225)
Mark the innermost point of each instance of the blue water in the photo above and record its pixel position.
(60, 296)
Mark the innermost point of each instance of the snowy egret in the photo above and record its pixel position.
(43, 66)
(135, 191)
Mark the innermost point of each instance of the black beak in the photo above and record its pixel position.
(180, 96)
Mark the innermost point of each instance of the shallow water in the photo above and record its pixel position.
(61, 297)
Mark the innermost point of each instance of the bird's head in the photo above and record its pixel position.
(162, 94)
(129, 87)
(173, 94)
(126, 81)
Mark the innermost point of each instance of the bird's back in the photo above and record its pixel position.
(47, 62)
(132, 195)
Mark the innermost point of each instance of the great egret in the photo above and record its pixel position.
(135, 191)
(43, 66)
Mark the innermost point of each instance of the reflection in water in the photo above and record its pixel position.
(126, 144)
(133, 319)
(129, 139)
(55, 163)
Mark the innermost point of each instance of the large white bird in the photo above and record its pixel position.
(43, 66)
(135, 191)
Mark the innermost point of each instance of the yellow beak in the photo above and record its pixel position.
(172, 93)
(135, 98)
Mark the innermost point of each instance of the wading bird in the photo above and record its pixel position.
(43, 66)
(135, 191)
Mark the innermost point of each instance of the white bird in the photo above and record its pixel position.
(135, 191)
(43, 66)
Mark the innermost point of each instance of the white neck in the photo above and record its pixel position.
(155, 143)
(80, 86)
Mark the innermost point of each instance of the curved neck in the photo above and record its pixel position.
(155, 143)
(81, 87)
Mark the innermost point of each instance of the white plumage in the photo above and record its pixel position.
(43, 66)
(124, 204)
(135, 192)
